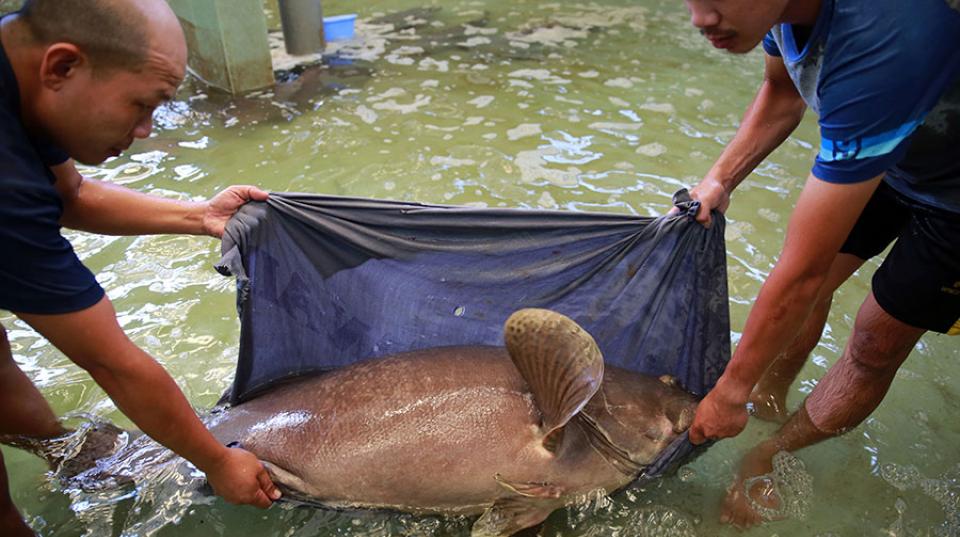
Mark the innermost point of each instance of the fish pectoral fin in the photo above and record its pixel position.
(529, 505)
(558, 359)
(601, 442)
(542, 491)
(289, 483)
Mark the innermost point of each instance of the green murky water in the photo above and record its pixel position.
(604, 106)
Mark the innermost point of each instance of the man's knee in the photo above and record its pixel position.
(879, 343)
(870, 355)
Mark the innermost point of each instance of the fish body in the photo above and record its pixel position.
(512, 433)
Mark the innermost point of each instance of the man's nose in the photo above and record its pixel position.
(143, 127)
(702, 14)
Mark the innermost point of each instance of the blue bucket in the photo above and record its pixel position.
(339, 28)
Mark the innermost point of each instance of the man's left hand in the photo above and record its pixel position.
(224, 205)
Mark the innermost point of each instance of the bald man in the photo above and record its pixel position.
(80, 80)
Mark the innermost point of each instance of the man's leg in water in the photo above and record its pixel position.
(846, 395)
(24, 410)
(11, 524)
(769, 397)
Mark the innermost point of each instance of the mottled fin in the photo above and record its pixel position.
(600, 441)
(528, 505)
(560, 362)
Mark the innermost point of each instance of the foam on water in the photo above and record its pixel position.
(523, 130)
(944, 490)
(789, 484)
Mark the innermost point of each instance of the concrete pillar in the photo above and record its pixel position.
(228, 42)
(302, 26)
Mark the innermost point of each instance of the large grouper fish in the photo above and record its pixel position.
(508, 433)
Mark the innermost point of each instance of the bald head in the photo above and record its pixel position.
(112, 33)
(92, 72)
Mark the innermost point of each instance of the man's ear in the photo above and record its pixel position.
(61, 62)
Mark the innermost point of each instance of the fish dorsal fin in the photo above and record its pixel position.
(560, 362)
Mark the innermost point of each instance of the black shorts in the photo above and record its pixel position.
(919, 281)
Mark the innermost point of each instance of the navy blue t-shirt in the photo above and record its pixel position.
(39, 271)
(884, 78)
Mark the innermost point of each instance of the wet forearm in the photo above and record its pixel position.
(109, 209)
(774, 113)
(145, 393)
(784, 303)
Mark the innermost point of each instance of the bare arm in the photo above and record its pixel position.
(822, 220)
(144, 391)
(774, 113)
(102, 207)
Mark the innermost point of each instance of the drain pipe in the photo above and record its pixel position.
(302, 26)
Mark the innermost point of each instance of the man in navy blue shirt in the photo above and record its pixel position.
(80, 79)
(883, 77)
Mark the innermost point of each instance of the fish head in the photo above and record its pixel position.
(642, 415)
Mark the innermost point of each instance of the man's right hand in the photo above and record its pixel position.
(712, 195)
(721, 414)
(240, 478)
(144, 391)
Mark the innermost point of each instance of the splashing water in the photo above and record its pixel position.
(161, 485)
(789, 483)
(660, 522)
(596, 514)
(945, 490)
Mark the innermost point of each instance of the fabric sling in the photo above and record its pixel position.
(326, 281)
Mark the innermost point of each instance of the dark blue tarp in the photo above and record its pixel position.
(326, 281)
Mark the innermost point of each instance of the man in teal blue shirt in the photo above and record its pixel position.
(883, 77)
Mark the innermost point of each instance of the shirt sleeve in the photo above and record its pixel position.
(51, 154)
(39, 270)
(770, 45)
(876, 96)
